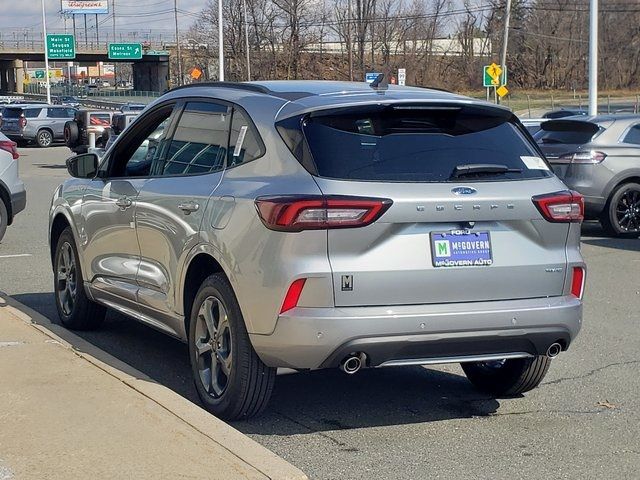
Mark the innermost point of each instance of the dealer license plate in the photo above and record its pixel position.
(461, 248)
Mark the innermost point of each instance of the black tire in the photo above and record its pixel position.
(246, 390)
(624, 200)
(71, 133)
(44, 138)
(75, 309)
(507, 377)
(4, 218)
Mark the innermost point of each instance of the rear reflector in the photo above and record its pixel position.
(9, 146)
(561, 207)
(294, 213)
(293, 295)
(577, 282)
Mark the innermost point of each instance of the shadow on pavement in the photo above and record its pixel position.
(301, 403)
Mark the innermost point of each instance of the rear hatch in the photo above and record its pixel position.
(558, 139)
(11, 120)
(462, 226)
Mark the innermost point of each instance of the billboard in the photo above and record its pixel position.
(79, 7)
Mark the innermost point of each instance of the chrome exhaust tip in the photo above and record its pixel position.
(554, 349)
(353, 363)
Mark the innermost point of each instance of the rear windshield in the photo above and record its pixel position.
(411, 143)
(11, 112)
(576, 136)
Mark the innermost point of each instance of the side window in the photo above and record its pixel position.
(56, 112)
(633, 135)
(70, 112)
(244, 143)
(199, 144)
(141, 148)
(32, 112)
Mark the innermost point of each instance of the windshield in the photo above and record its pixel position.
(417, 144)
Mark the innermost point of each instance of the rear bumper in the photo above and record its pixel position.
(323, 337)
(18, 202)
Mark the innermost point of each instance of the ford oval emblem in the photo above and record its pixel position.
(464, 191)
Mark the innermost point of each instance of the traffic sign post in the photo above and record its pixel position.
(125, 51)
(61, 46)
(402, 76)
(494, 76)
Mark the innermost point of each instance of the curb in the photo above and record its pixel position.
(238, 444)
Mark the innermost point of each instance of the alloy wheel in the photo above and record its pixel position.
(627, 213)
(213, 349)
(66, 283)
(44, 138)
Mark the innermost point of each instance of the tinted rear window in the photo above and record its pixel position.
(409, 143)
(11, 112)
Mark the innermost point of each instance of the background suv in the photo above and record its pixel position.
(13, 197)
(42, 124)
(324, 225)
(600, 158)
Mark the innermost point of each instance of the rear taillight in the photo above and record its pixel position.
(561, 207)
(22, 122)
(588, 156)
(11, 147)
(577, 282)
(297, 213)
(293, 295)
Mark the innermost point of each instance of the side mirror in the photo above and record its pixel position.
(83, 166)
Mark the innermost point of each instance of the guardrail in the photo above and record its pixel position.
(85, 102)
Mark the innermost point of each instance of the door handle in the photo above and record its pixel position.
(189, 207)
(124, 203)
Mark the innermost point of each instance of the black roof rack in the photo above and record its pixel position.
(237, 85)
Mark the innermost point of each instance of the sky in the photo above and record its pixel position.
(131, 15)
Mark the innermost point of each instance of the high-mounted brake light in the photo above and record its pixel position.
(577, 282)
(293, 295)
(9, 146)
(297, 213)
(561, 207)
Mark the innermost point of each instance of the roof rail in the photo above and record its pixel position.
(237, 85)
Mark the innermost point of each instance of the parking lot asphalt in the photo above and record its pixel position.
(583, 422)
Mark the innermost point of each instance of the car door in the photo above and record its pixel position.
(171, 205)
(109, 239)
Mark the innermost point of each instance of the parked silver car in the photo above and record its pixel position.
(600, 158)
(42, 124)
(324, 225)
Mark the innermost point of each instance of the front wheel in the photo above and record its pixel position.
(75, 309)
(231, 380)
(507, 377)
(4, 218)
(621, 216)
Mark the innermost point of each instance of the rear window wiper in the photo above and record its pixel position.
(472, 169)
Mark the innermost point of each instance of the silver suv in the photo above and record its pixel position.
(41, 124)
(319, 225)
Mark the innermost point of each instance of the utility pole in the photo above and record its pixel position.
(46, 54)
(505, 40)
(115, 64)
(175, 14)
(593, 57)
(220, 44)
(246, 39)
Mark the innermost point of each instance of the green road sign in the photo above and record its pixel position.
(39, 73)
(61, 46)
(489, 77)
(125, 51)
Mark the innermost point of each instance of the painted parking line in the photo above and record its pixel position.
(17, 255)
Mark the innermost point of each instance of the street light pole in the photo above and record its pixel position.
(505, 36)
(220, 44)
(175, 12)
(246, 39)
(593, 57)
(46, 54)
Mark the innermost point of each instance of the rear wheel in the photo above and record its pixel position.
(4, 218)
(230, 378)
(44, 138)
(71, 133)
(621, 216)
(75, 309)
(507, 377)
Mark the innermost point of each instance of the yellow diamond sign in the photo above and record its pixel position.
(502, 91)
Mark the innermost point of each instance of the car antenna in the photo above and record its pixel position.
(377, 83)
